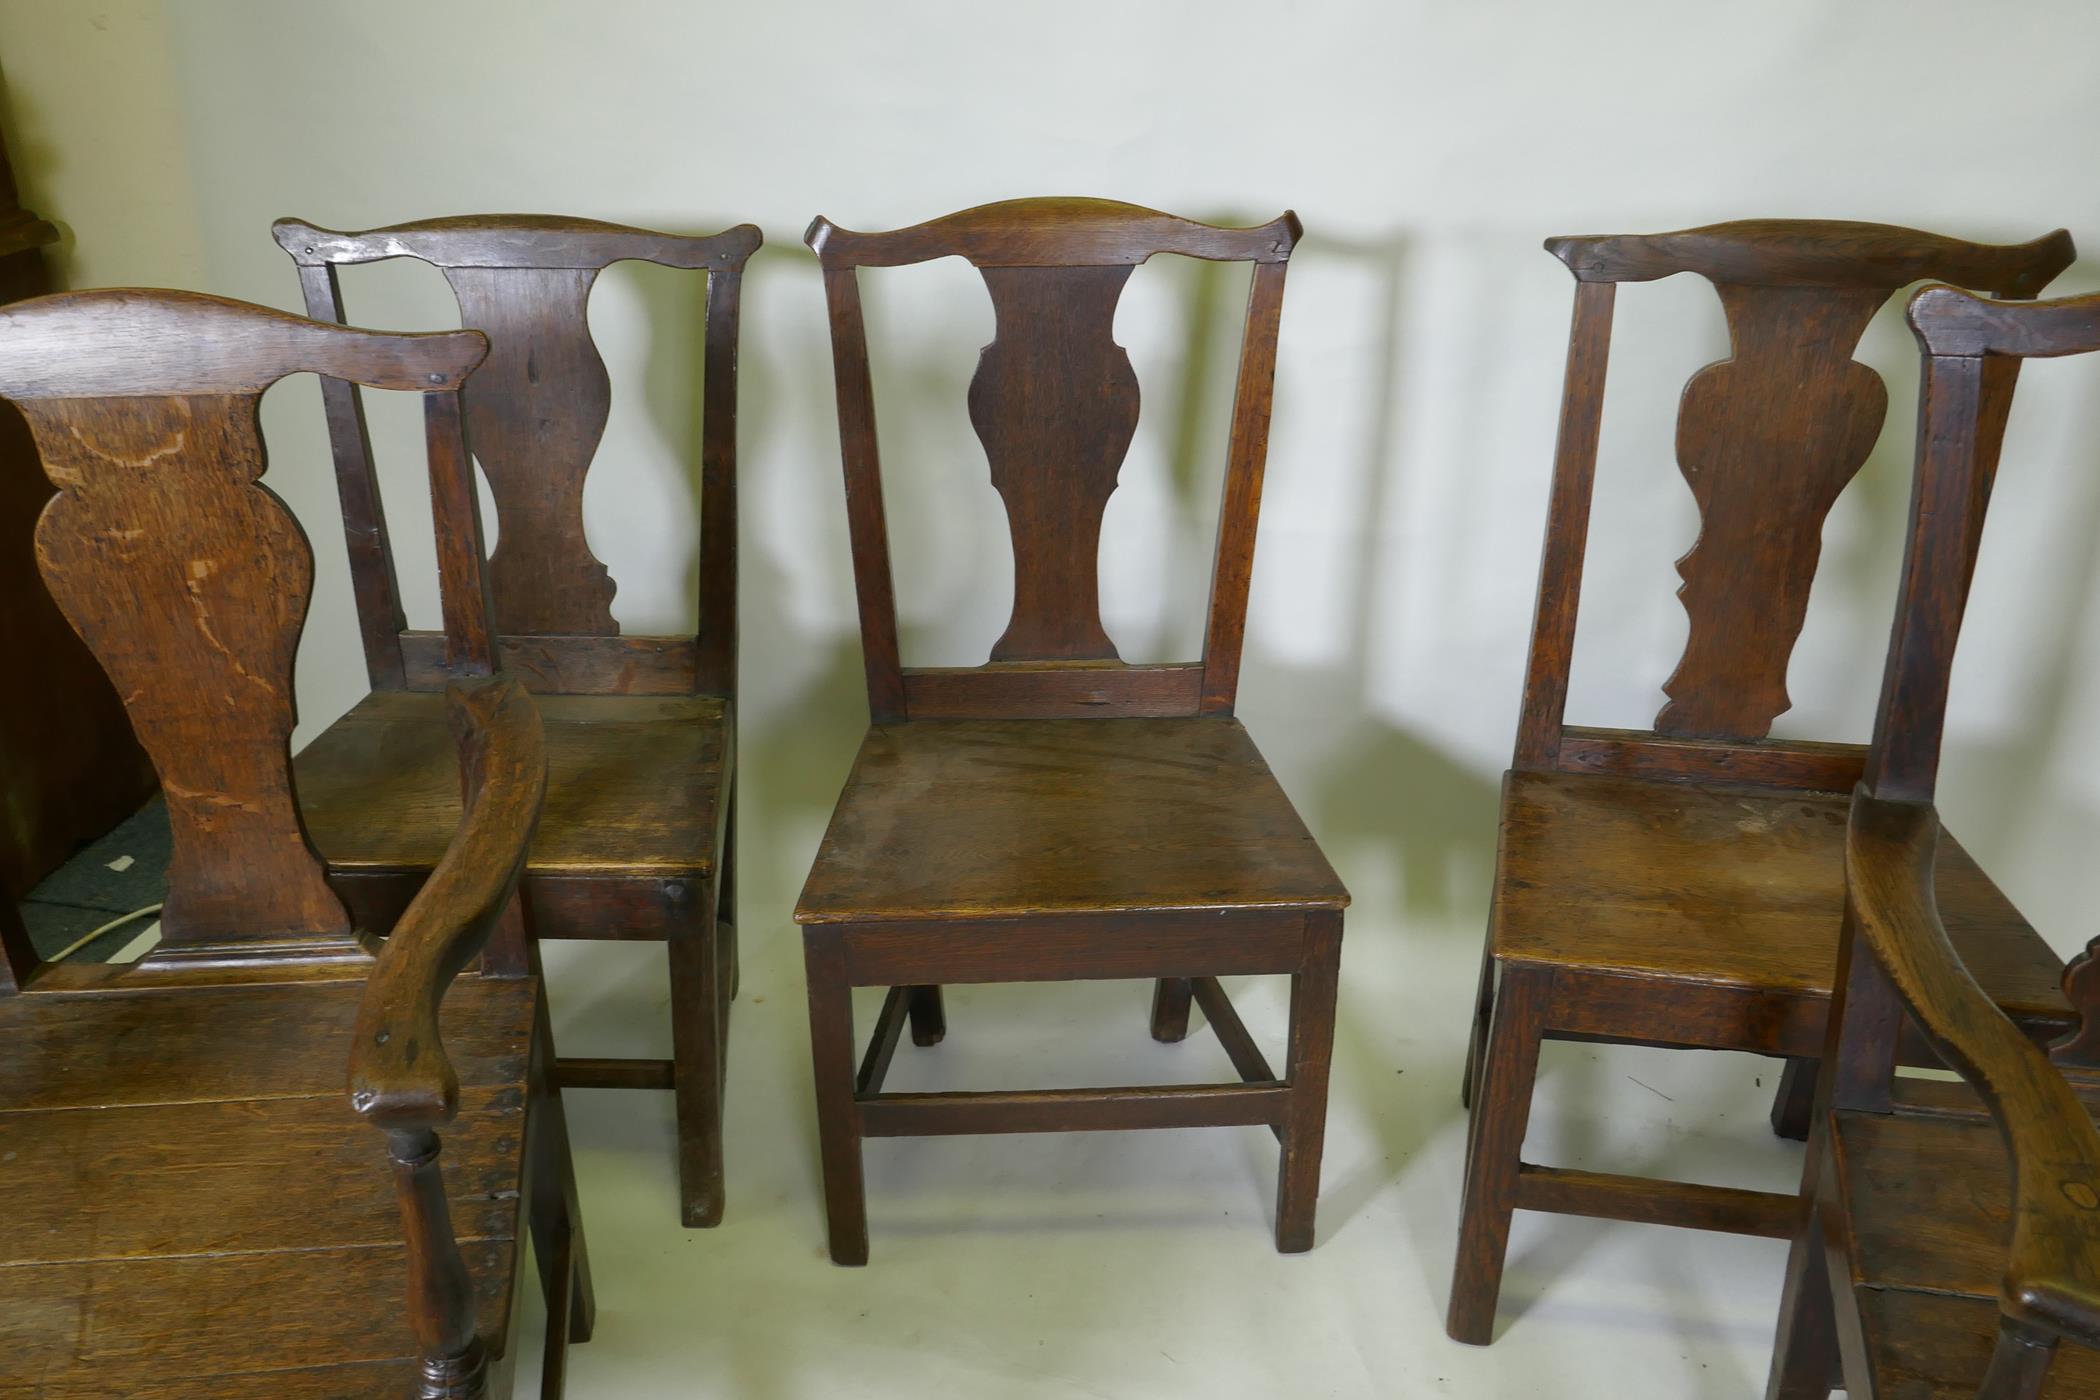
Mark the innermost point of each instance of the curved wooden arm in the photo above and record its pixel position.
(400, 1078)
(1949, 321)
(2052, 1277)
(1795, 252)
(145, 342)
(1052, 232)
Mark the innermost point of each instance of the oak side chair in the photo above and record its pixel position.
(1949, 1236)
(1055, 814)
(198, 1211)
(638, 839)
(1683, 887)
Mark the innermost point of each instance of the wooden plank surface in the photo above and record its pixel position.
(239, 1177)
(212, 1045)
(634, 784)
(953, 819)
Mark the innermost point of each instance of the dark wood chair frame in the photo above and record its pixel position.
(1797, 294)
(1055, 269)
(189, 581)
(1897, 967)
(536, 413)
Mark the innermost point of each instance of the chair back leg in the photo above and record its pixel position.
(929, 1017)
(1476, 1043)
(1793, 1106)
(699, 998)
(1170, 1009)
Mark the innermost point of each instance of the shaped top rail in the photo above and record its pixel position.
(1817, 252)
(1053, 232)
(515, 240)
(148, 343)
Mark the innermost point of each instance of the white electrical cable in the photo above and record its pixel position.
(81, 942)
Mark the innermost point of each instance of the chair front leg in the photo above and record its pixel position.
(1494, 1151)
(1310, 1056)
(838, 1117)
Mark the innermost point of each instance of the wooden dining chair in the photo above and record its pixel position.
(1055, 814)
(1948, 1240)
(195, 1210)
(1683, 886)
(638, 839)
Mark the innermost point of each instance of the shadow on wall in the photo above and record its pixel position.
(1410, 827)
(673, 360)
(794, 754)
(1384, 793)
(32, 160)
(2005, 792)
(799, 749)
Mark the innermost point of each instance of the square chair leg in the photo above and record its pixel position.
(1793, 1105)
(1476, 1041)
(1494, 1148)
(838, 1117)
(1170, 1009)
(699, 1015)
(1805, 1354)
(929, 1016)
(1309, 1056)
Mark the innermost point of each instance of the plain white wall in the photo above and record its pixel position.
(1428, 148)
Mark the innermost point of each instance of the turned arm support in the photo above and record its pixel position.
(401, 1080)
(2082, 989)
(2052, 1277)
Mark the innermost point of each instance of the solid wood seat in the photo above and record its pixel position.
(1932, 1346)
(634, 785)
(990, 818)
(168, 1148)
(1912, 1217)
(1716, 885)
(1927, 1247)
